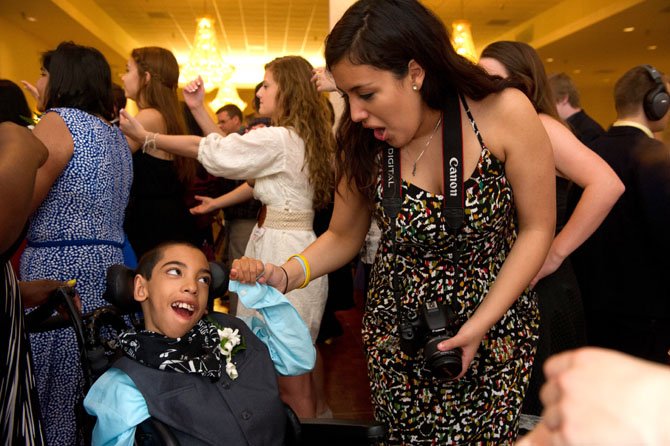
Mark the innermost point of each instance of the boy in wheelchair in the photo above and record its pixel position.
(211, 378)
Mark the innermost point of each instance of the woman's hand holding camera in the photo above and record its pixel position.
(468, 340)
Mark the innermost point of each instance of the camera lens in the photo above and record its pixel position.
(444, 365)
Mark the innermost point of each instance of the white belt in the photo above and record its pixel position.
(290, 220)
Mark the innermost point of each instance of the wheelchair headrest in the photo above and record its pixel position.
(121, 283)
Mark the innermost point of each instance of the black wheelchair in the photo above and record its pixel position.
(96, 337)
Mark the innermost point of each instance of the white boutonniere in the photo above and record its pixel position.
(231, 343)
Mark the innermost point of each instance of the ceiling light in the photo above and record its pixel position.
(652, 47)
(461, 38)
(28, 17)
(629, 29)
(577, 71)
(205, 59)
(549, 59)
(227, 95)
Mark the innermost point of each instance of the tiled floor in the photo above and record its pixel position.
(345, 373)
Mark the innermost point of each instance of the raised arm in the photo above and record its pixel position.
(516, 136)
(602, 188)
(194, 96)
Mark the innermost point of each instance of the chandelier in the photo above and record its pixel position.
(206, 61)
(461, 38)
(227, 95)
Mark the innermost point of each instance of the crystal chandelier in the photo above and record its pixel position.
(461, 38)
(205, 59)
(227, 95)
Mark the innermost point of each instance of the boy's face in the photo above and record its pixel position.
(175, 298)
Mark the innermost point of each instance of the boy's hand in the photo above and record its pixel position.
(247, 270)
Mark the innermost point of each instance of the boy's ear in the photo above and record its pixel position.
(140, 290)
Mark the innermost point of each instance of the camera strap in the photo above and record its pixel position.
(452, 177)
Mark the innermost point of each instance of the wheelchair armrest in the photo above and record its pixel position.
(152, 432)
(326, 432)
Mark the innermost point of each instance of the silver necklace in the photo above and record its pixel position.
(439, 121)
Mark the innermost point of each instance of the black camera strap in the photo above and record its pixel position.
(453, 187)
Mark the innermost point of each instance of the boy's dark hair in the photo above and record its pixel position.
(150, 258)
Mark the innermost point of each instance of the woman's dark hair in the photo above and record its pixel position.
(13, 104)
(526, 71)
(79, 77)
(388, 34)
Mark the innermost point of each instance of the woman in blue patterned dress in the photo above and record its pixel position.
(394, 65)
(76, 229)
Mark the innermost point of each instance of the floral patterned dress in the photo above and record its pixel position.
(483, 406)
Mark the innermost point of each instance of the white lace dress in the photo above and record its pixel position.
(274, 158)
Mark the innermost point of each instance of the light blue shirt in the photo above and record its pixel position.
(120, 407)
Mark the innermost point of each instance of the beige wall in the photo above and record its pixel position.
(598, 102)
(19, 55)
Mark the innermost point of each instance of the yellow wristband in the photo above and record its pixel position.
(305, 268)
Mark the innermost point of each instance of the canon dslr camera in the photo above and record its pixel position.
(427, 329)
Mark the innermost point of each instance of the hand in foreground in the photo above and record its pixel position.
(131, 127)
(323, 80)
(468, 341)
(539, 436)
(194, 93)
(601, 397)
(205, 207)
(247, 270)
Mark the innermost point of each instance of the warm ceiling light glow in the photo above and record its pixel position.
(549, 59)
(205, 59)
(629, 29)
(652, 47)
(227, 95)
(461, 38)
(28, 17)
(577, 71)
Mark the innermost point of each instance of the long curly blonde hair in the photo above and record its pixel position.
(301, 107)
